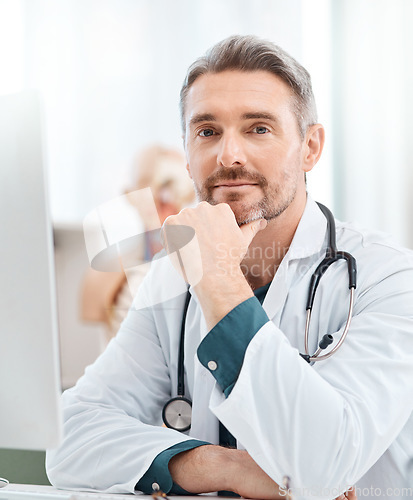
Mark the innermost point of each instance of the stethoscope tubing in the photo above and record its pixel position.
(316, 356)
(332, 256)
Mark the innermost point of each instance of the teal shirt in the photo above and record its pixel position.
(225, 344)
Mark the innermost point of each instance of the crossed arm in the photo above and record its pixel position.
(215, 468)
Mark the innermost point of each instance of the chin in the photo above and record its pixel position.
(246, 212)
(245, 215)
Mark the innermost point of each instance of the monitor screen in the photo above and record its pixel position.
(30, 415)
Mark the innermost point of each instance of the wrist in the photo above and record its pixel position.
(202, 469)
(248, 480)
(218, 296)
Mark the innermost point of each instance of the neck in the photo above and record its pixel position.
(269, 246)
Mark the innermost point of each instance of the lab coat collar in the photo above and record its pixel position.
(310, 234)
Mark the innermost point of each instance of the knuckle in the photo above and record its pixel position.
(188, 210)
(184, 213)
(171, 219)
(203, 205)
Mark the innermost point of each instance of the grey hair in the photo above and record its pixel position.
(249, 53)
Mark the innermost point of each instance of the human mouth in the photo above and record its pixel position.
(235, 184)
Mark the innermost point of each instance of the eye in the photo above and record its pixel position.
(206, 132)
(260, 130)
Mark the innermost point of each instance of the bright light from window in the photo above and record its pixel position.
(316, 34)
(11, 46)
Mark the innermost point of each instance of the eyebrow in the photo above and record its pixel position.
(258, 115)
(202, 117)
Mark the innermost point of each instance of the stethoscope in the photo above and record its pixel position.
(177, 411)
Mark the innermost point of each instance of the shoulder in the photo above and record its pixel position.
(383, 265)
(369, 243)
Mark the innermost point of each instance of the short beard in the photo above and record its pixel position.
(267, 208)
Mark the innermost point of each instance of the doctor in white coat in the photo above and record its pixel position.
(260, 412)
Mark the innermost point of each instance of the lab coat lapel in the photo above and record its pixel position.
(204, 423)
(275, 298)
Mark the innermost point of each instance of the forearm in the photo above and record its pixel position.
(214, 468)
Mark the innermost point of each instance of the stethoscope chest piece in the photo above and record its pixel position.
(176, 414)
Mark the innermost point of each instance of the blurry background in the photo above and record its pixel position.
(110, 73)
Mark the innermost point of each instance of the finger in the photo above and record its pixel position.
(252, 228)
(351, 494)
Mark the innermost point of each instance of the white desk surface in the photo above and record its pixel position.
(29, 491)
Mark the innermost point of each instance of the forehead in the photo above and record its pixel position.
(237, 93)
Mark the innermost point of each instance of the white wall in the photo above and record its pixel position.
(372, 106)
(111, 72)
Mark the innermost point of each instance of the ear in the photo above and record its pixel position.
(186, 154)
(188, 170)
(313, 147)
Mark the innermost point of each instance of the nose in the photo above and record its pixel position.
(231, 152)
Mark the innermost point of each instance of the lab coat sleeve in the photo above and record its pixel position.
(112, 417)
(325, 425)
(159, 473)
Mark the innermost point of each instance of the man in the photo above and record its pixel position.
(251, 134)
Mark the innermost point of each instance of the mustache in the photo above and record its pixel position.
(235, 174)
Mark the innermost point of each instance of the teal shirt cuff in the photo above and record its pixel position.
(226, 343)
(159, 473)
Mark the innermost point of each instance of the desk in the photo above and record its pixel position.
(34, 492)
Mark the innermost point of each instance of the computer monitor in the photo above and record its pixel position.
(30, 416)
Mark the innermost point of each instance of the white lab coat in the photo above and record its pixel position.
(344, 420)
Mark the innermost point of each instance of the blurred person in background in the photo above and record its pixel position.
(107, 296)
